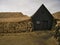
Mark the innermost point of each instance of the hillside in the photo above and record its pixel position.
(56, 15)
(11, 14)
(13, 17)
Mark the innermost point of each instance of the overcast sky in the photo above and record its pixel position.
(28, 7)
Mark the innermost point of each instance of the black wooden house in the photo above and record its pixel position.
(42, 19)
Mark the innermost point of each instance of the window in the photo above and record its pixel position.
(38, 22)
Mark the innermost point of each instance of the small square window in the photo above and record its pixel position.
(38, 22)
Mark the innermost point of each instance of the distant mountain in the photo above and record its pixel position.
(56, 15)
(12, 17)
(11, 14)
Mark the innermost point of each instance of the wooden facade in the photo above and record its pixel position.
(42, 19)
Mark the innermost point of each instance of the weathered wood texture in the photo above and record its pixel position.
(42, 19)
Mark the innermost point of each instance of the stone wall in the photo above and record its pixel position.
(14, 27)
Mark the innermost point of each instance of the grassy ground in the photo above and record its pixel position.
(28, 38)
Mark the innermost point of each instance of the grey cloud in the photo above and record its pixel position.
(28, 7)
